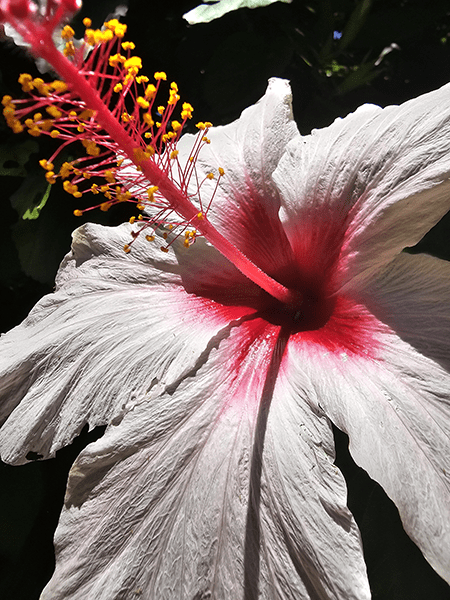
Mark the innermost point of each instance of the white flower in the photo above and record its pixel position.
(215, 477)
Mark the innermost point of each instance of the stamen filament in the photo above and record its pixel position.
(46, 49)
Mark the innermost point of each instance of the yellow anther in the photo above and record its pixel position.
(128, 46)
(120, 162)
(109, 176)
(69, 49)
(208, 124)
(46, 124)
(200, 216)
(126, 248)
(173, 86)
(54, 112)
(164, 249)
(150, 91)
(59, 86)
(221, 172)
(174, 154)
(134, 63)
(86, 114)
(81, 127)
(150, 238)
(34, 131)
(72, 115)
(89, 37)
(105, 206)
(104, 188)
(87, 22)
(173, 98)
(140, 206)
(160, 75)
(140, 155)
(65, 170)
(206, 140)
(122, 196)
(55, 133)
(149, 150)
(106, 36)
(42, 87)
(142, 79)
(210, 176)
(201, 125)
(148, 119)
(16, 126)
(78, 213)
(176, 125)
(26, 81)
(150, 192)
(186, 243)
(91, 147)
(118, 88)
(50, 177)
(37, 117)
(94, 188)
(111, 24)
(126, 118)
(142, 102)
(116, 59)
(120, 30)
(6, 100)
(67, 32)
(9, 112)
(187, 111)
(160, 110)
(132, 220)
(48, 166)
(168, 136)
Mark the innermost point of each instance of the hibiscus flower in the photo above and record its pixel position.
(215, 477)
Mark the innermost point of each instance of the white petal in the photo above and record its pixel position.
(412, 295)
(396, 411)
(246, 203)
(205, 13)
(117, 326)
(369, 184)
(159, 505)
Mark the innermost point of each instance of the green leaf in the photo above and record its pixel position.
(354, 24)
(33, 213)
(215, 9)
(13, 158)
(31, 197)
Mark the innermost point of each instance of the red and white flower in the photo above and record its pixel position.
(215, 477)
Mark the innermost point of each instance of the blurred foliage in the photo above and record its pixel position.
(337, 54)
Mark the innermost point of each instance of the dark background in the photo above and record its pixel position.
(330, 51)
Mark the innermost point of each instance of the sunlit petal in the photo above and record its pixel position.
(371, 184)
(160, 505)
